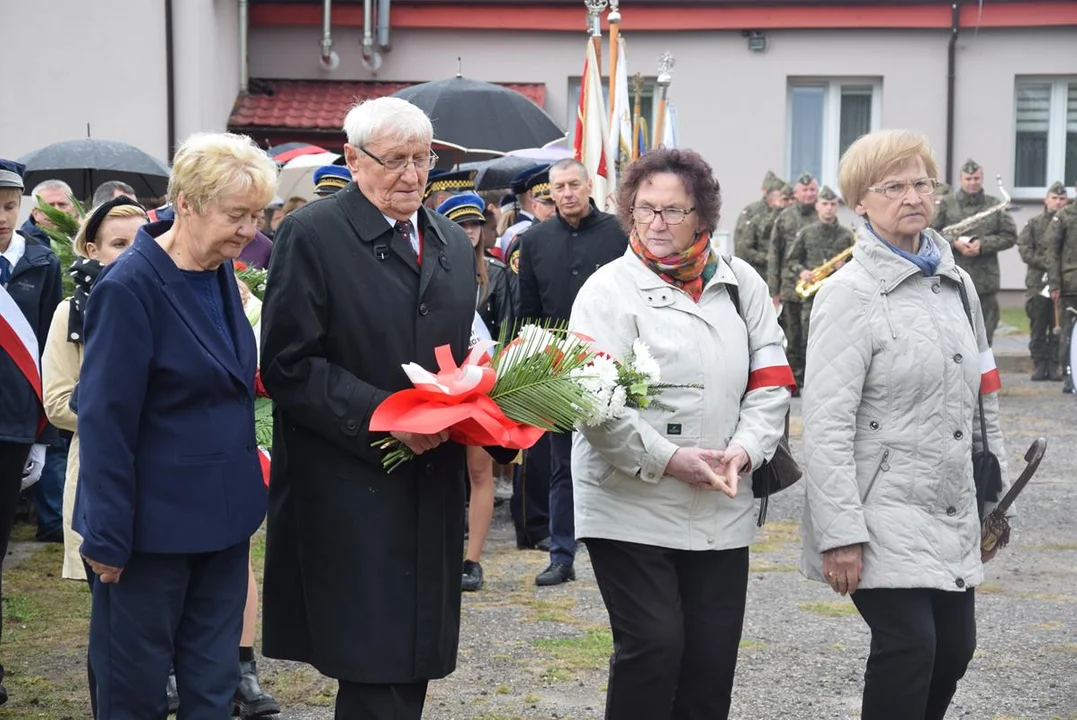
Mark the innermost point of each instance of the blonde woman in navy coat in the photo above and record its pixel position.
(170, 489)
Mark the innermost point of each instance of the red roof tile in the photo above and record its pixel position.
(321, 105)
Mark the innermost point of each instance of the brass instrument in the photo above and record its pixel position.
(958, 229)
(819, 275)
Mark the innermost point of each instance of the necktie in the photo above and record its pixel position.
(5, 270)
(407, 231)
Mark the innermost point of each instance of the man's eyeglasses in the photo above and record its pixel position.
(898, 190)
(670, 216)
(422, 163)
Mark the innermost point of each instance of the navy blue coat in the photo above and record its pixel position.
(36, 287)
(168, 462)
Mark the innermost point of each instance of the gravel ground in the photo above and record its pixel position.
(541, 653)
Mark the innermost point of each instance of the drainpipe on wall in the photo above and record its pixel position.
(329, 59)
(170, 81)
(244, 70)
(371, 58)
(383, 25)
(951, 77)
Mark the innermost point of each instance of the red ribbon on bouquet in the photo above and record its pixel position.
(455, 399)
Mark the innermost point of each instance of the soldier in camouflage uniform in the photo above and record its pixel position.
(813, 246)
(1062, 278)
(751, 239)
(1032, 244)
(783, 285)
(977, 250)
(787, 197)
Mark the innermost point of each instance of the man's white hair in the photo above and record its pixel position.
(392, 116)
(52, 185)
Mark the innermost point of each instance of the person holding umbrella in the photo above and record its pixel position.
(30, 290)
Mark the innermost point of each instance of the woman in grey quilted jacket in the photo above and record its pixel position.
(894, 366)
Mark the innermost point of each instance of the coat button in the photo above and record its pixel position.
(710, 541)
(960, 582)
(935, 289)
(951, 511)
(351, 425)
(250, 447)
(873, 425)
(958, 358)
(958, 434)
(423, 309)
(430, 468)
(575, 272)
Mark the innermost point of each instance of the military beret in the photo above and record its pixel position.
(1057, 189)
(456, 180)
(330, 178)
(519, 184)
(970, 166)
(805, 178)
(772, 182)
(11, 174)
(787, 190)
(464, 207)
(827, 194)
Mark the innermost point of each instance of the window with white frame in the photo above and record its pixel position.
(824, 117)
(1045, 133)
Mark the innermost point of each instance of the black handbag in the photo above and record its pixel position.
(986, 470)
(781, 471)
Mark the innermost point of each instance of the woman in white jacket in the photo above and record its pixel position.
(661, 498)
(894, 366)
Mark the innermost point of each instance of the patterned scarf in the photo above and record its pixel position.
(688, 270)
(84, 271)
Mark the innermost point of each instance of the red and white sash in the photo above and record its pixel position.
(18, 340)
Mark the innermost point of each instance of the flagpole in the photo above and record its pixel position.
(614, 19)
(665, 65)
(594, 16)
(637, 112)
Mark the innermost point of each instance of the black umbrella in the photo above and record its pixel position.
(85, 164)
(479, 118)
(498, 173)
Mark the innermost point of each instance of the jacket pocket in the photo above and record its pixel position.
(882, 466)
(206, 459)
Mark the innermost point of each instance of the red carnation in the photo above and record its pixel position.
(239, 265)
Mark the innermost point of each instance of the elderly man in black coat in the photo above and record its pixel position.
(363, 568)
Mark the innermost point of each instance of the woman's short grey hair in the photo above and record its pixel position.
(392, 116)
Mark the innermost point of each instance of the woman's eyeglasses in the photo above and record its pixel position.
(898, 190)
(670, 216)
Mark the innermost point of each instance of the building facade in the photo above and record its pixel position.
(756, 86)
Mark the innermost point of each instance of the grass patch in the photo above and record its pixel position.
(502, 690)
(556, 609)
(766, 567)
(993, 589)
(1049, 625)
(1052, 546)
(1065, 648)
(1016, 318)
(829, 608)
(531, 698)
(749, 644)
(20, 608)
(590, 651)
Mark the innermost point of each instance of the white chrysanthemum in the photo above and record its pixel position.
(645, 363)
(618, 400)
(605, 369)
(532, 341)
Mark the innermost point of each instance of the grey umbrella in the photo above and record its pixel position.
(84, 164)
(477, 118)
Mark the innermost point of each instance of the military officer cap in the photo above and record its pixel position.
(1057, 189)
(507, 201)
(772, 182)
(787, 191)
(519, 183)
(11, 174)
(453, 181)
(330, 178)
(805, 178)
(464, 207)
(539, 184)
(827, 194)
(970, 166)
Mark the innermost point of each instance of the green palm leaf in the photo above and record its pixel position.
(62, 236)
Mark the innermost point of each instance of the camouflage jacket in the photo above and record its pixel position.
(790, 221)
(1062, 251)
(751, 239)
(996, 232)
(1032, 244)
(813, 246)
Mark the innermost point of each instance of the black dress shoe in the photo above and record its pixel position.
(543, 544)
(555, 574)
(250, 700)
(472, 576)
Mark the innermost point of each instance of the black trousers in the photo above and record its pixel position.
(921, 643)
(12, 462)
(362, 701)
(676, 617)
(530, 502)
